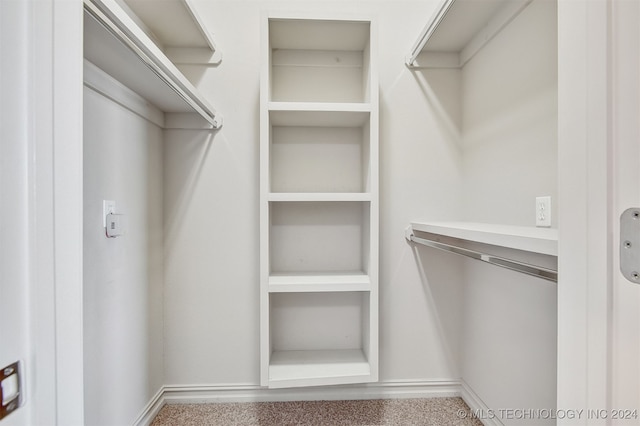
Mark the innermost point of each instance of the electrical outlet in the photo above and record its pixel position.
(543, 212)
(108, 207)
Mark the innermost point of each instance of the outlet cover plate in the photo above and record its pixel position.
(543, 212)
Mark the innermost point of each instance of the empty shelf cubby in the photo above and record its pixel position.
(315, 151)
(319, 237)
(319, 61)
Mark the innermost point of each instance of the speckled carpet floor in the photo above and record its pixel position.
(414, 412)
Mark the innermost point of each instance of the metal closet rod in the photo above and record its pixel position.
(514, 265)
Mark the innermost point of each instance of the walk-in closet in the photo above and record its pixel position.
(270, 201)
(468, 138)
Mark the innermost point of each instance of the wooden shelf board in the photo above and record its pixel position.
(460, 28)
(319, 282)
(341, 107)
(319, 114)
(111, 56)
(174, 23)
(462, 22)
(319, 196)
(322, 367)
(532, 239)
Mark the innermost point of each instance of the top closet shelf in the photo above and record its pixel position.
(177, 28)
(459, 29)
(116, 44)
(531, 239)
(318, 60)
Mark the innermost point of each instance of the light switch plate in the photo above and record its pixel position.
(114, 225)
(108, 207)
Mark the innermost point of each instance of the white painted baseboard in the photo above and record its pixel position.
(151, 410)
(478, 408)
(193, 394)
(186, 394)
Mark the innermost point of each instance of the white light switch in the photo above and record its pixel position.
(114, 225)
(108, 207)
(9, 389)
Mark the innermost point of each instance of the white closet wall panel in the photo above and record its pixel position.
(510, 157)
(123, 277)
(510, 120)
(510, 323)
(497, 95)
(210, 259)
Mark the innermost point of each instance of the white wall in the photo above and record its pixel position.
(123, 277)
(14, 197)
(40, 249)
(211, 207)
(510, 157)
(510, 120)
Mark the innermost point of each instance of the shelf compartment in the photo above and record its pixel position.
(319, 338)
(319, 60)
(326, 237)
(319, 282)
(320, 76)
(320, 159)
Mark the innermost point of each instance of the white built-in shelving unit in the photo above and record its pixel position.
(120, 44)
(319, 201)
